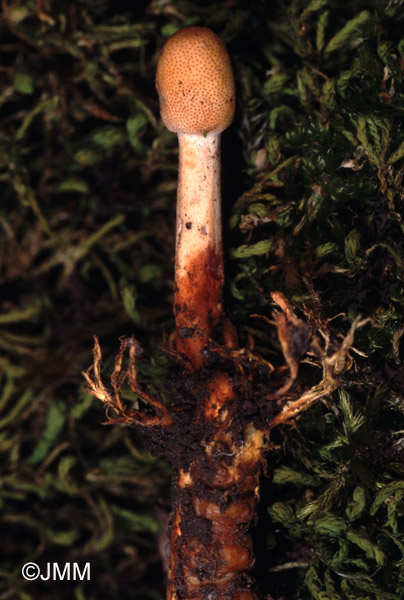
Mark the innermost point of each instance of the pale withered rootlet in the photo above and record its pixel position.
(226, 399)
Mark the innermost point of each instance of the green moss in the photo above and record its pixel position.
(87, 181)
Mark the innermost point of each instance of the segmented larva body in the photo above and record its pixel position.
(211, 547)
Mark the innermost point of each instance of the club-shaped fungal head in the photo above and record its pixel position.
(195, 82)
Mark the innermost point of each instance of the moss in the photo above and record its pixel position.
(313, 208)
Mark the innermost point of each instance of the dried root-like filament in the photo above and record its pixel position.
(96, 387)
(333, 365)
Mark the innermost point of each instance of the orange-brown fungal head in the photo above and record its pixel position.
(195, 82)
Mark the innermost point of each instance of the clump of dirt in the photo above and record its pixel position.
(182, 441)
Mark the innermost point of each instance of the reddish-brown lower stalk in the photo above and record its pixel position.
(198, 304)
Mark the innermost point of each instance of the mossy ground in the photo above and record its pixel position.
(313, 206)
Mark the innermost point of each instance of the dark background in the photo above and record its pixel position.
(313, 206)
